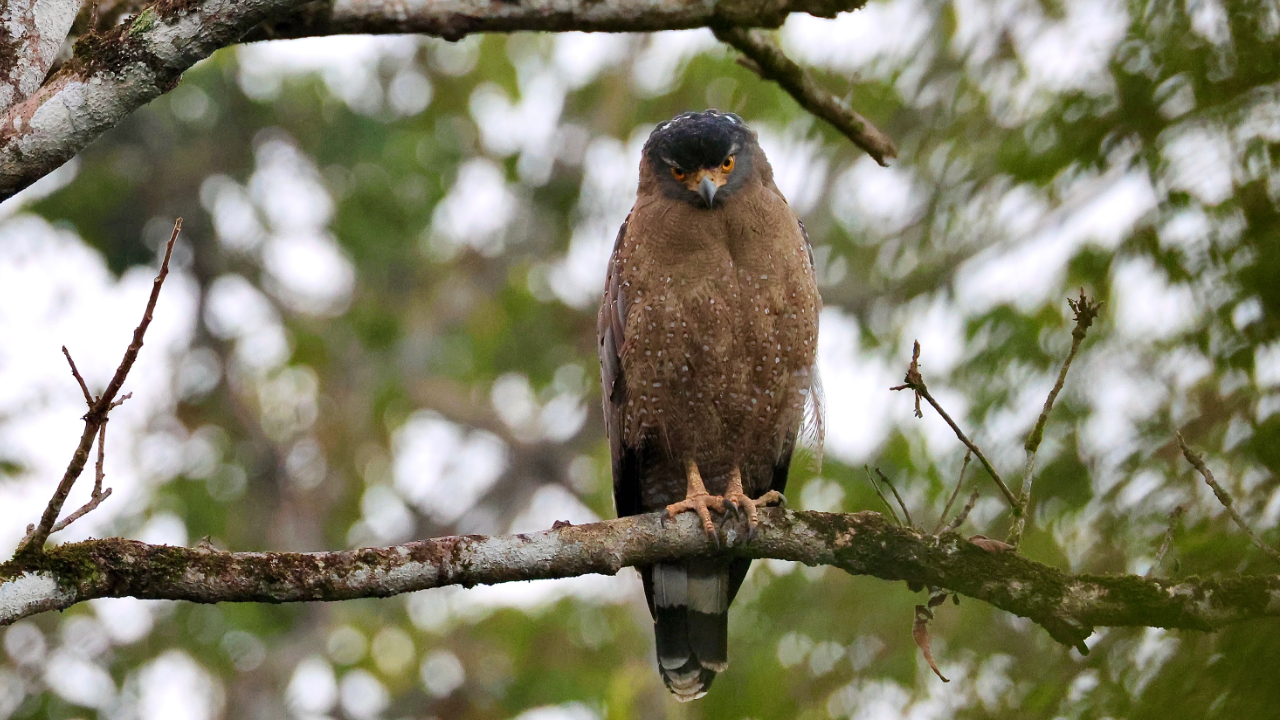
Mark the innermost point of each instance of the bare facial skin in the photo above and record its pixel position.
(705, 181)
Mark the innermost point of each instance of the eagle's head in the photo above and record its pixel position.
(701, 157)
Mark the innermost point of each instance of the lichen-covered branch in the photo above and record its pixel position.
(113, 74)
(31, 32)
(1068, 606)
(116, 71)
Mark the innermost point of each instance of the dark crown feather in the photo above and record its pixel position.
(695, 140)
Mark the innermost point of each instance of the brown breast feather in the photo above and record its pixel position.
(719, 326)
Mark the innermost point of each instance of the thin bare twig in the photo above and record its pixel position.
(97, 414)
(99, 473)
(968, 454)
(964, 513)
(893, 513)
(93, 503)
(1197, 461)
(131, 354)
(915, 382)
(905, 512)
(1086, 310)
(1168, 539)
(768, 61)
(98, 495)
(88, 398)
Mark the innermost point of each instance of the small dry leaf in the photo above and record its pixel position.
(920, 631)
(561, 524)
(937, 600)
(991, 546)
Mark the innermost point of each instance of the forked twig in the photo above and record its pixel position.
(968, 454)
(915, 382)
(1086, 310)
(84, 510)
(98, 494)
(964, 513)
(767, 60)
(97, 415)
(1223, 497)
(75, 372)
(879, 494)
(905, 512)
(1168, 539)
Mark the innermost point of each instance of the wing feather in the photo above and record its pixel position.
(627, 460)
(813, 428)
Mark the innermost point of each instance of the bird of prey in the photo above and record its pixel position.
(707, 337)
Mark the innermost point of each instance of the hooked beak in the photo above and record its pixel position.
(707, 189)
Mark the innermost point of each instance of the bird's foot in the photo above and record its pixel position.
(701, 503)
(740, 503)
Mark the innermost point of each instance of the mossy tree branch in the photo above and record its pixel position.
(1068, 606)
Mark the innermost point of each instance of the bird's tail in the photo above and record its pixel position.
(691, 624)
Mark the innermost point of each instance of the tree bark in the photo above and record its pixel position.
(1068, 606)
(112, 75)
(31, 33)
(454, 19)
(118, 71)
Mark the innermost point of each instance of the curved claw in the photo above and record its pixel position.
(737, 499)
(732, 504)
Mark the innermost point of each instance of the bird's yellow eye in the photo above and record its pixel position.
(727, 165)
(677, 173)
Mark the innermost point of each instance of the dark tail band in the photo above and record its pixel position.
(690, 604)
